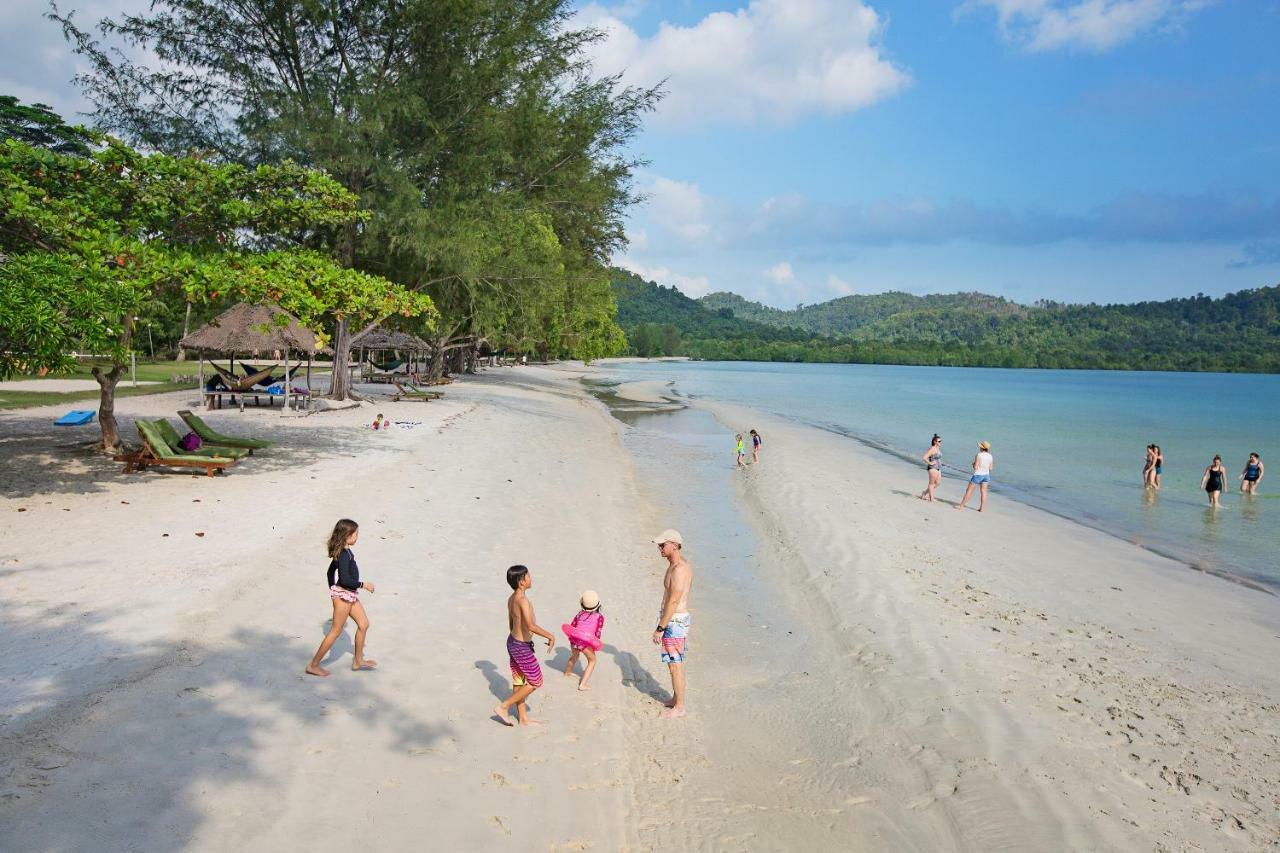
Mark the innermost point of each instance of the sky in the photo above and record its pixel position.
(1076, 150)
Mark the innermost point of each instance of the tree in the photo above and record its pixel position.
(38, 125)
(490, 160)
(93, 244)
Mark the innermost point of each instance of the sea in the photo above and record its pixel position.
(1069, 442)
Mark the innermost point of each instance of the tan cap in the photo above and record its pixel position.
(668, 535)
(590, 601)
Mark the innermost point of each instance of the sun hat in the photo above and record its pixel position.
(589, 600)
(984, 445)
(668, 535)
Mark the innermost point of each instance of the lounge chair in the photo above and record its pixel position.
(403, 393)
(242, 383)
(156, 452)
(207, 433)
(174, 440)
(415, 388)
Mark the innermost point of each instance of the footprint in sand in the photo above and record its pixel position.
(499, 825)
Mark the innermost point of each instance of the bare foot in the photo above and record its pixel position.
(674, 713)
(501, 713)
(312, 669)
(568, 673)
(531, 722)
(367, 663)
(959, 506)
(670, 703)
(583, 687)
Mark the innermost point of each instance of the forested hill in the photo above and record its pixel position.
(846, 316)
(1238, 332)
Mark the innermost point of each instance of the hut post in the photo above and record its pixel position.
(287, 383)
(309, 392)
(204, 401)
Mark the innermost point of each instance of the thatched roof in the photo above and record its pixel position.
(252, 330)
(390, 339)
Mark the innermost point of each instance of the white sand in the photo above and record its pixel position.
(648, 391)
(976, 682)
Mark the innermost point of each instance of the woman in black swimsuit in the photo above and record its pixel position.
(933, 464)
(1251, 476)
(1212, 481)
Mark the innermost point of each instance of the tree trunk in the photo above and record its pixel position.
(186, 324)
(340, 386)
(107, 407)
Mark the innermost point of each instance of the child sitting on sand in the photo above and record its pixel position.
(344, 591)
(378, 423)
(584, 636)
(526, 675)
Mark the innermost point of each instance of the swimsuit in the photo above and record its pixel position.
(1251, 472)
(1215, 481)
(935, 462)
(755, 441)
(742, 451)
(584, 631)
(674, 637)
(344, 577)
(524, 663)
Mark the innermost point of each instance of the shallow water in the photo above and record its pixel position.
(1070, 442)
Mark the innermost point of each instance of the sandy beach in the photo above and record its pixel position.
(891, 676)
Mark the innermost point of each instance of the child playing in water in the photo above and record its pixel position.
(344, 591)
(584, 636)
(741, 451)
(526, 675)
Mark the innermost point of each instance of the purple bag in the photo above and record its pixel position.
(190, 441)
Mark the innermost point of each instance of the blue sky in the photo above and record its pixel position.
(1079, 150)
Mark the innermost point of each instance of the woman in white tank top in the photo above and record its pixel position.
(983, 462)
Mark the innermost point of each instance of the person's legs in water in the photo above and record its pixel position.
(362, 629)
(341, 610)
(591, 667)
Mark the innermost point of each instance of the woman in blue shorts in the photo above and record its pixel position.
(981, 477)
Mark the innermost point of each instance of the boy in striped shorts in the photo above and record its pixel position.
(526, 674)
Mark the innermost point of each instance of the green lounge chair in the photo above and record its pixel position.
(156, 452)
(414, 388)
(207, 433)
(174, 440)
(403, 393)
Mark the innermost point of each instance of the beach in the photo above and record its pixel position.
(867, 672)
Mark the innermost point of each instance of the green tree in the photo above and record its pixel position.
(37, 125)
(472, 130)
(92, 244)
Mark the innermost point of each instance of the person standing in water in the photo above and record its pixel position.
(1149, 468)
(1159, 467)
(1252, 475)
(1214, 479)
(672, 633)
(756, 442)
(933, 464)
(981, 477)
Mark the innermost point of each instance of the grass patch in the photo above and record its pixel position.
(25, 399)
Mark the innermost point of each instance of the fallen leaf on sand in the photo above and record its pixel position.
(199, 532)
(22, 509)
(124, 502)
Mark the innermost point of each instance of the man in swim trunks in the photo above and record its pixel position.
(672, 633)
(526, 674)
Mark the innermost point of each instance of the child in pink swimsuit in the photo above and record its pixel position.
(584, 636)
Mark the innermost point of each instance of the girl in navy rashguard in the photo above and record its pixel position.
(344, 591)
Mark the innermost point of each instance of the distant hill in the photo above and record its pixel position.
(1238, 332)
(858, 316)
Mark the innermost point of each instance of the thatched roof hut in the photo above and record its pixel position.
(252, 330)
(390, 339)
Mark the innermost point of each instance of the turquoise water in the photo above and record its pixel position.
(1070, 442)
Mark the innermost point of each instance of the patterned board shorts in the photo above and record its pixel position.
(351, 596)
(674, 639)
(524, 663)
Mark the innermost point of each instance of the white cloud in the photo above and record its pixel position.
(773, 61)
(781, 273)
(692, 286)
(838, 286)
(1095, 25)
(680, 208)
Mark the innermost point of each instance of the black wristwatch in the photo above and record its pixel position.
(661, 628)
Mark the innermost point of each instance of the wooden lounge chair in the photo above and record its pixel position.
(207, 433)
(242, 383)
(415, 388)
(156, 452)
(403, 393)
(174, 440)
